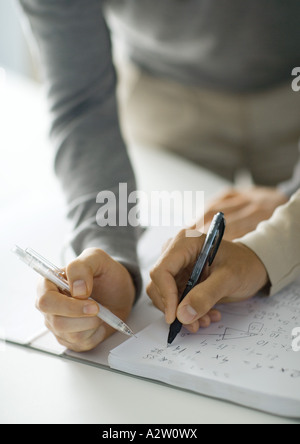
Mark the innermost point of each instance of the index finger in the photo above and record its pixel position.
(51, 301)
(181, 253)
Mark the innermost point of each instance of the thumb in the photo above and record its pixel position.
(81, 271)
(202, 298)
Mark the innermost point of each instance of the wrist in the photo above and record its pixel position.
(256, 270)
(133, 284)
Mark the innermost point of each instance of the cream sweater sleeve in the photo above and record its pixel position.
(277, 243)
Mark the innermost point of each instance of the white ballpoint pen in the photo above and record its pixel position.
(58, 277)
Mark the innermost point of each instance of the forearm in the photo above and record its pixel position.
(90, 154)
(277, 243)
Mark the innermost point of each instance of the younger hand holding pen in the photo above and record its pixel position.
(236, 274)
(74, 320)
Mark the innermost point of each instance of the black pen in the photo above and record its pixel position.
(210, 248)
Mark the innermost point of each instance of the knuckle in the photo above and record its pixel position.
(156, 304)
(81, 348)
(48, 325)
(153, 274)
(88, 344)
(73, 266)
(151, 292)
(42, 302)
(181, 234)
(149, 288)
(61, 341)
(80, 342)
(58, 323)
(92, 253)
(76, 338)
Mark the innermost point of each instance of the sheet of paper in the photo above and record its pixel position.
(246, 358)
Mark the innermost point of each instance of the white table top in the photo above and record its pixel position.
(39, 388)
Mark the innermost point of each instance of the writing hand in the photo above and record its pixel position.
(74, 321)
(236, 274)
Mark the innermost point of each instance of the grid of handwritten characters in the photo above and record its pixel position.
(254, 336)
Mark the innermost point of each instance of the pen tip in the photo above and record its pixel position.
(171, 338)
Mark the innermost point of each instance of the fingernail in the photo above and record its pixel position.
(90, 309)
(186, 314)
(79, 289)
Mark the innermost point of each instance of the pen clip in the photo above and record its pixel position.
(59, 276)
(217, 242)
(60, 273)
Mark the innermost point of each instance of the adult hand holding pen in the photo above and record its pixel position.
(236, 274)
(74, 321)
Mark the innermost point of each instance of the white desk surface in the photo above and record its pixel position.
(39, 388)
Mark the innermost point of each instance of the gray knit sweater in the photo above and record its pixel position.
(231, 45)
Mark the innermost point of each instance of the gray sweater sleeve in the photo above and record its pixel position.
(75, 49)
